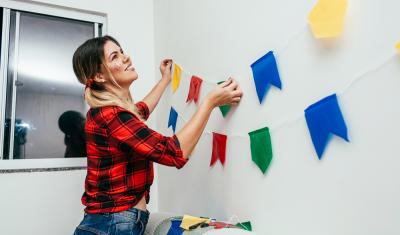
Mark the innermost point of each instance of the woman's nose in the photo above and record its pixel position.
(127, 58)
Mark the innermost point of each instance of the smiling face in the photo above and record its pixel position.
(119, 65)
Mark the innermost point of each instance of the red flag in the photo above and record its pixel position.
(219, 148)
(194, 90)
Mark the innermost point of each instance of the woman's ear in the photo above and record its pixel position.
(99, 78)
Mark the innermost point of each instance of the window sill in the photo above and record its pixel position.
(39, 165)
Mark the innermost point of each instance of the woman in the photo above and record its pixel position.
(120, 147)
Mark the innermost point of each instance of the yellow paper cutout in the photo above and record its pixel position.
(176, 77)
(398, 47)
(327, 18)
(189, 220)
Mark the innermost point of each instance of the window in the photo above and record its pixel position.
(42, 106)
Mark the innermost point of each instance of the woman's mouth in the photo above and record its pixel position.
(130, 68)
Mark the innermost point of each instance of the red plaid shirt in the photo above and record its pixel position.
(121, 150)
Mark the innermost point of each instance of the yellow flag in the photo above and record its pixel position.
(327, 18)
(189, 220)
(176, 77)
(398, 47)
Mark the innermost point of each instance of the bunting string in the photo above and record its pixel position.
(294, 118)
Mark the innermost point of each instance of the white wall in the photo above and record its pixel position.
(41, 202)
(49, 203)
(355, 188)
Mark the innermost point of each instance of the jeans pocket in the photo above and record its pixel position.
(129, 228)
(124, 228)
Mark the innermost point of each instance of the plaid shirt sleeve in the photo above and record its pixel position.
(143, 109)
(133, 136)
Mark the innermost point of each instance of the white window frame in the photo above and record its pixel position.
(51, 10)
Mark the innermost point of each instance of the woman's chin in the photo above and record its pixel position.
(132, 78)
(135, 76)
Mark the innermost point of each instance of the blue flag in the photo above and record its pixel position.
(324, 118)
(175, 228)
(265, 73)
(173, 116)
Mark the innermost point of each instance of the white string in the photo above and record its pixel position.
(364, 74)
(281, 49)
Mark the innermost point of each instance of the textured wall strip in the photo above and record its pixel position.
(30, 170)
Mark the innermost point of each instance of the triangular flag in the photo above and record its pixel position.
(218, 149)
(194, 89)
(224, 108)
(188, 221)
(398, 47)
(265, 73)
(323, 118)
(261, 148)
(219, 225)
(175, 228)
(327, 18)
(245, 225)
(173, 116)
(176, 77)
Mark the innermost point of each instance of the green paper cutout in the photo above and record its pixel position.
(245, 226)
(224, 108)
(261, 148)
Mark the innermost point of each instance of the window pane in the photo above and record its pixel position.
(47, 88)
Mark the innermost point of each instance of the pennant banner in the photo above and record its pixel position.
(175, 228)
(224, 108)
(219, 225)
(194, 89)
(245, 225)
(173, 116)
(261, 148)
(188, 221)
(218, 149)
(265, 73)
(327, 18)
(324, 118)
(176, 77)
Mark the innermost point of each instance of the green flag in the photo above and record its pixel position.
(224, 108)
(245, 225)
(261, 148)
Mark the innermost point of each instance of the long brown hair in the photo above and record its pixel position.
(87, 61)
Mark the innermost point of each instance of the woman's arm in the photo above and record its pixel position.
(225, 93)
(190, 134)
(155, 94)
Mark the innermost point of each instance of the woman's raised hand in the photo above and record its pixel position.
(227, 92)
(165, 69)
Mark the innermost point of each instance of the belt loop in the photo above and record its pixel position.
(138, 216)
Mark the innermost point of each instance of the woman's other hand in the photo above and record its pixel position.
(227, 92)
(165, 69)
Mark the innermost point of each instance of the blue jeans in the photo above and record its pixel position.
(132, 222)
